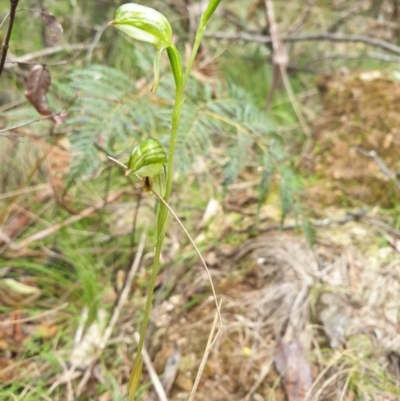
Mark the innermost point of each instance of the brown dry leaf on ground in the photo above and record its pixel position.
(292, 364)
(14, 226)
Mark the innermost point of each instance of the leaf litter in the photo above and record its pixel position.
(328, 317)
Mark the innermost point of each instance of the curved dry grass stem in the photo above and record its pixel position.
(189, 237)
(210, 343)
(198, 253)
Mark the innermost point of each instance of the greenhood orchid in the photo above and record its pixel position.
(148, 25)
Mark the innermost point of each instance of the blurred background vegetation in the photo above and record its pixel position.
(268, 153)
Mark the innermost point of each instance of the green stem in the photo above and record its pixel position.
(196, 45)
(163, 211)
(180, 82)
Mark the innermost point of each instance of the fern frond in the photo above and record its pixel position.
(108, 110)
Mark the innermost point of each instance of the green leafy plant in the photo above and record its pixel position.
(148, 25)
(219, 123)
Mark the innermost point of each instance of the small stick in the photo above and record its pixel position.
(280, 59)
(305, 37)
(30, 122)
(4, 20)
(32, 318)
(56, 227)
(158, 387)
(381, 164)
(6, 43)
(124, 293)
(48, 51)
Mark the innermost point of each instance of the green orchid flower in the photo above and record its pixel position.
(148, 160)
(148, 25)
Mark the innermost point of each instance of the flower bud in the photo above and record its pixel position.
(147, 158)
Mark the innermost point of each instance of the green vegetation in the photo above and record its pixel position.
(265, 179)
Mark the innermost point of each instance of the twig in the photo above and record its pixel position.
(85, 378)
(280, 59)
(158, 387)
(38, 187)
(265, 369)
(116, 312)
(296, 26)
(32, 389)
(56, 227)
(81, 327)
(4, 20)
(197, 251)
(381, 164)
(34, 63)
(32, 318)
(350, 216)
(5, 238)
(124, 293)
(48, 51)
(372, 55)
(383, 226)
(95, 41)
(29, 122)
(6, 43)
(344, 16)
(70, 391)
(333, 37)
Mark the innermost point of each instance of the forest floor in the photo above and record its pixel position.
(321, 321)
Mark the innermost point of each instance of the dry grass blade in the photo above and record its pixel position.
(198, 253)
(210, 341)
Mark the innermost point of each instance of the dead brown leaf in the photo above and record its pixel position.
(292, 364)
(53, 26)
(6, 372)
(15, 225)
(37, 86)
